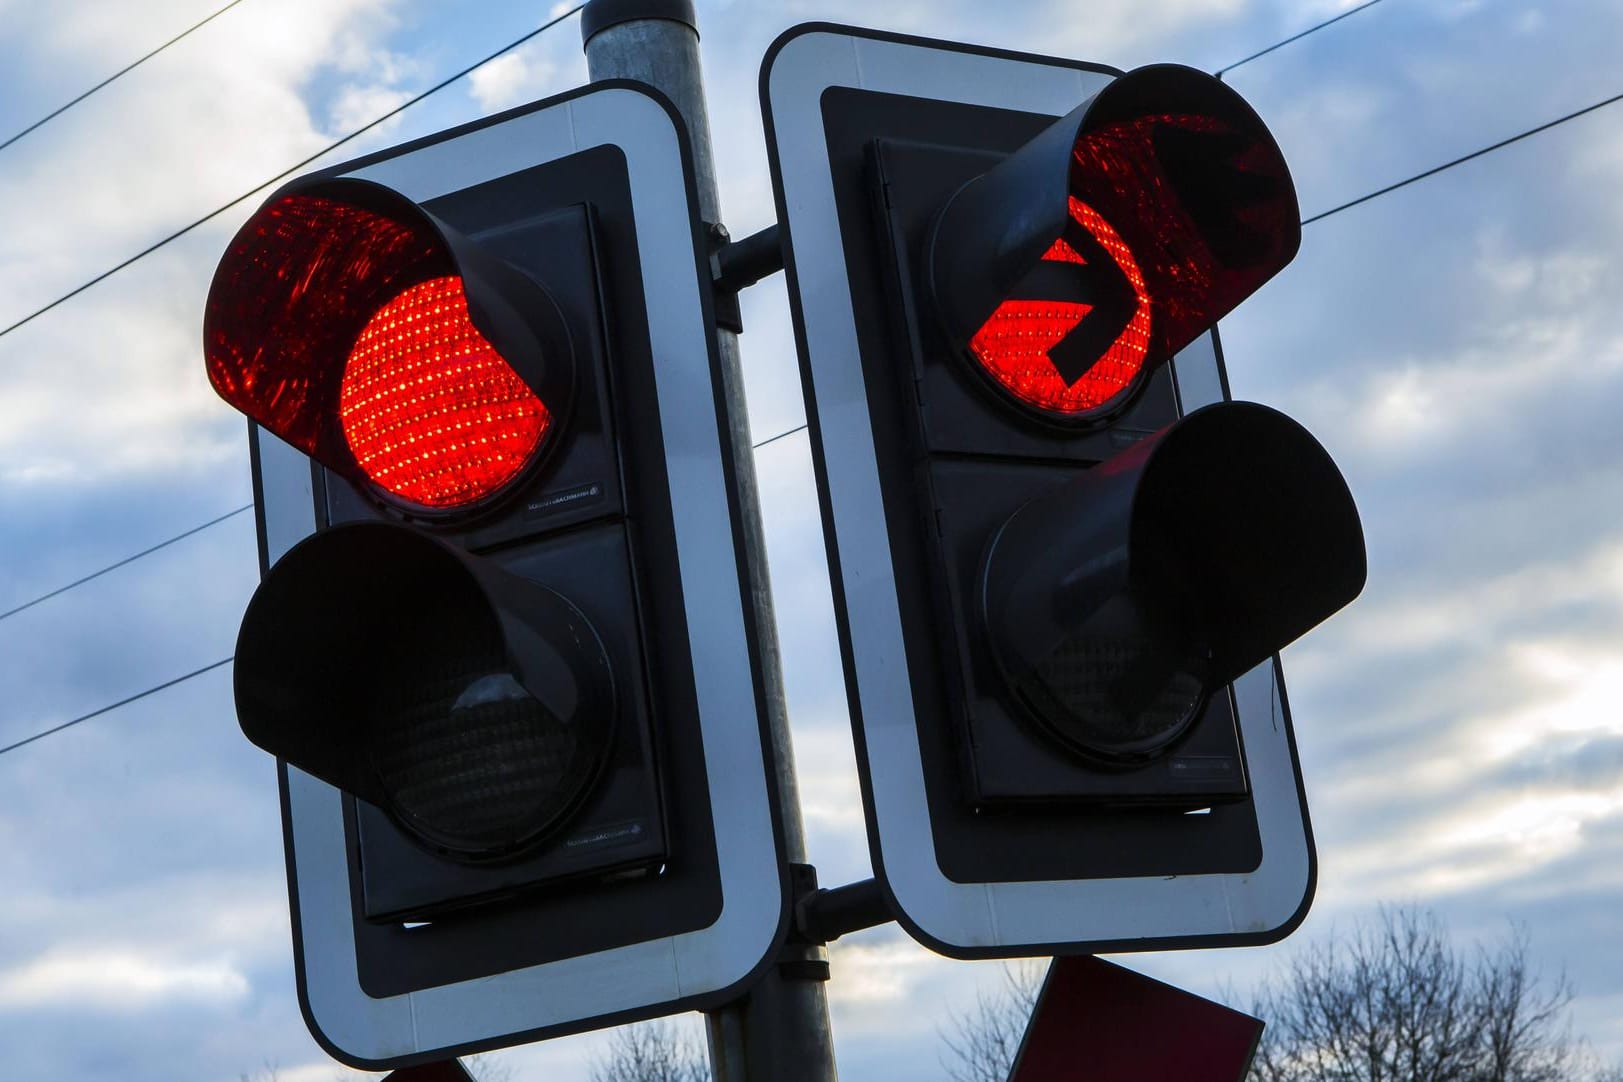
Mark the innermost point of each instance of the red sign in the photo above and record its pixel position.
(1098, 1022)
(445, 1071)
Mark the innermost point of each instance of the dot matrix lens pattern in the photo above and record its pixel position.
(1015, 345)
(432, 413)
(1114, 696)
(472, 761)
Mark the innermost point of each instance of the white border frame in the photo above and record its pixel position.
(643, 976)
(979, 918)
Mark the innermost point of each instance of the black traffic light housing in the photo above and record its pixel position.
(1080, 573)
(1114, 604)
(497, 738)
(502, 684)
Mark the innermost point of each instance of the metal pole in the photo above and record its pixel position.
(780, 1031)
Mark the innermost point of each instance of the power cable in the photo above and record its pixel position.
(121, 72)
(126, 560)
(774, 439)
(1220, 72)
(211, 215)
(1463, 159)
(215, 522)
(114, 706)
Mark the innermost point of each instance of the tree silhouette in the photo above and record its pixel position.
(980, 1044)
(1395, 1001)
(1392, 1001)
(651, 1052)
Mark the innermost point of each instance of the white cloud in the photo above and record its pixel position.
(219, 112)
(1536, 336)
(358, 106)
(512, 79)
(1488, 840)
(119, 982)
(888, 972)
(1108, 30)
(1448, 611)
(1577, 684)
(826, 765)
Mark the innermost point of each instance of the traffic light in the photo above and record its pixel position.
(1061, 575)
(500, 646)
(470, 706)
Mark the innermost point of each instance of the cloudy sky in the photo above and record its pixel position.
(1457, 345)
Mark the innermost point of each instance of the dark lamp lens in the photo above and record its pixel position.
(431, 412)
(474, 763)
(1120, 688)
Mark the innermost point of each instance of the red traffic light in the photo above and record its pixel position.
(1080, 263)
(361, 330)
(431, 412)
(1020, 343)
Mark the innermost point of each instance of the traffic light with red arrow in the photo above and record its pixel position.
(1051, 564)
(1102, 569)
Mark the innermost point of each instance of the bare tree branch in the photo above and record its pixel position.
(484, 1068)
(981, 1043)
(652, 1052)
(1394, 1001)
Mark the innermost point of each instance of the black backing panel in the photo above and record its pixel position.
(575, 493)
(977, 838)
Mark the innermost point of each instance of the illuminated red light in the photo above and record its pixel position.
(343, 326)
(431, 412)
(1174, 218)
(1013, 345)
(1060, 251)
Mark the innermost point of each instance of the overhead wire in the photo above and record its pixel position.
(114, 706)
(126, 560)
(184, 230)
(211, 215)
(1462, 159)
(289, 171)
(215, 522)
(120, 73)
(1314, 29)
(774, 439)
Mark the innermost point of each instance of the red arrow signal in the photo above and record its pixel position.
(1075, 337)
